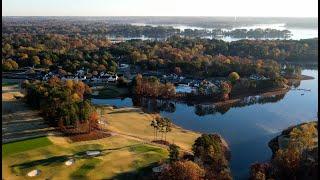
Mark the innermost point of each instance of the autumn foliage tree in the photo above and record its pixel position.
(9, 65)
(182, 170)
(63, 103)
(233, 77)
(225, 90)
(151, 87)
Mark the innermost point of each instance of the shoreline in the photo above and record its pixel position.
(234, 98)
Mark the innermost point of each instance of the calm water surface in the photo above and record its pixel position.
(247, 129)
(297, 33)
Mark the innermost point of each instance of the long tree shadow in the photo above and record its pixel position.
(125, 111)
(43, 162)
(56, 160)
(142, 173)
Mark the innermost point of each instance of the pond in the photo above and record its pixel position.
(247, 127)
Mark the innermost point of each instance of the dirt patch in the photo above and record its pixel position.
(11, 96)
(93, 135)
(163, 142)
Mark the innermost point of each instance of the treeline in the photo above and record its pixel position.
(152, 87)
(297, 158)
(200, 57)
(100, 28)
(258, 33)
(63, 103)
(210, 161)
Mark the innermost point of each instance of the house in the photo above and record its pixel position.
(160, 168)
(113, 79)
(207, 88)
(257, 77)
(123, 66)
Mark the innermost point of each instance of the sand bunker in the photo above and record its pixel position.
(35, 172)
(69, 162)
(93, 153)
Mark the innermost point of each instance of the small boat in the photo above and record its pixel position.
(302, 94)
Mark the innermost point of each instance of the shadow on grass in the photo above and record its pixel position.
(142, 173)
(125, 111)
(43, 162)
(83, 170)
(55, 160)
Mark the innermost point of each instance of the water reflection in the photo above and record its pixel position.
(247, 125)
(205, 109)
(154, 105)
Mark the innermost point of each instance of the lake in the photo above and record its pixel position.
(247, 128)
(297, 33)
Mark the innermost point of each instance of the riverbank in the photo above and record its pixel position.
(234, 99)
(294, 154)
(112, 92)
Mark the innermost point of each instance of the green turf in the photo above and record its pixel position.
(9, 83)
(83, 170)
(140, 148)
(25, 145)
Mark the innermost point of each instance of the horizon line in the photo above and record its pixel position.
(157, 16)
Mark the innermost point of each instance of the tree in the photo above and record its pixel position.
(154, 125)
(177, 70)
(233, 77)
(182, 170)
(35, 60)
(167, 127)
(62, 72)
(209, 149)
(173, 153)
(46, 62)
(93, 120)
(160, 125)
(6, 66)
(95, 73)
(225, 90)
(101, 68)
(9, 65)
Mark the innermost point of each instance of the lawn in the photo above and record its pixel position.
(133, 122)
(9, 83)
(119, 157)
(124, 155)
(83, 170)
(21, 146)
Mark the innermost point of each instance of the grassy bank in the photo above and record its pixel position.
(128, 153)
(135, 123)
(4, 84)
(21, 146)
(118, 155)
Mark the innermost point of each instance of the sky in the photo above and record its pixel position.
(258, 8)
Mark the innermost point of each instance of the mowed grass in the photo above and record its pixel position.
(25, 145)
(133, 122)
(122, 156)
(119, 155)
(85, 168)
(9, 84)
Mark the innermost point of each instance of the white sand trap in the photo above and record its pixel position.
(69, 162)
(93, 153)
(35, 172)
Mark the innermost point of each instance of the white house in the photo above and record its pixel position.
(113, 78)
